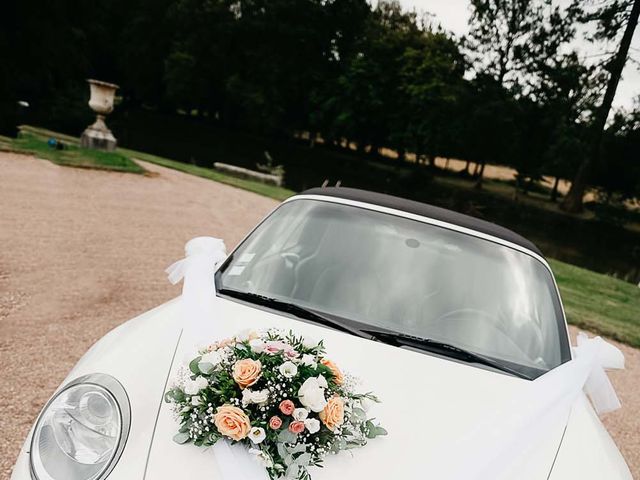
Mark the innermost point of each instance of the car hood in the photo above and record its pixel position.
(428, 403)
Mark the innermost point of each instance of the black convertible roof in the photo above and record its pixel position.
(425, 210)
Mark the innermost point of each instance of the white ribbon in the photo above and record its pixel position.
(496, 447)
(202, 256)
(598, 387)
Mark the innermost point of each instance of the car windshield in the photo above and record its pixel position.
(381, 271)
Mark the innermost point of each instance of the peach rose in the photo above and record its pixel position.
(296, 427)
(338, 377)
(247, 372)
(287, 407)
(333, 414)
(275, 422)
(232, 422)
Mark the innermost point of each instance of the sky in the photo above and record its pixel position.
(454, 14)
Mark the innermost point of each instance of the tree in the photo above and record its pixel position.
(365, 100)
(431, 84)
(500, 30)
(611, 18)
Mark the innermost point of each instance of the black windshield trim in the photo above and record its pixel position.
(426, 210)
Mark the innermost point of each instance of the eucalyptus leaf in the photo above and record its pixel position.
(206, 367)
(303, 460)
(174, 395)
(298, 448)
(285, 436)
(193, 365)
(354, 444)
(292, 472)
(359, 415)
(281, 450)
(181, 438)
(381, 431)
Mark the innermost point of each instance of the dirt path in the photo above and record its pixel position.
(83, 251)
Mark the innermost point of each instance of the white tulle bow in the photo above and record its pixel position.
(597, 386)
(202, 256)
(502, 442)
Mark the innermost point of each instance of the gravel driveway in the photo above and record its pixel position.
(82, 251)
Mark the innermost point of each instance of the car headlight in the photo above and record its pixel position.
(82, 430)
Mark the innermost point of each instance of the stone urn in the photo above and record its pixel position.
(97, 135)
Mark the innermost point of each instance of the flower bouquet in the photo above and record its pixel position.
(277, 394)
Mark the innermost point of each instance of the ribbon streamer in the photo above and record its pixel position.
(202, 256)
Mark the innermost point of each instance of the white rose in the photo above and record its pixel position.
(245, 335)
(214, 358)
(261, 396)
(192, 387)
(250, 396)
(322, 381)
(300, 414)
(246, 397)
(288, 369)
(312, 425)
(257, 435)
(257, 345)
(195, 401)
(309, 360)
(310, 342)
(311, 394)
(263, 458)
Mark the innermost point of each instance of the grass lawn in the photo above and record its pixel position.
(271, 191)
(595, 302)
(72, 155)
(34, 141)
(599, 303)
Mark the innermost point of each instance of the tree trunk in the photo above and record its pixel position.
(554, 190)
(478, 185)
(573, 201)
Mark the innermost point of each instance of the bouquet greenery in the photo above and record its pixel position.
(278, 394)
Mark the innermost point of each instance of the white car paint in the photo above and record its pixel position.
(427, 402)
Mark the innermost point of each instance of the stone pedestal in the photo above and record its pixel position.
(98, 136)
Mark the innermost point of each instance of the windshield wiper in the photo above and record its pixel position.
(294, 309)
(447, 349)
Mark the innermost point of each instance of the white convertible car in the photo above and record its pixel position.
(446, 317)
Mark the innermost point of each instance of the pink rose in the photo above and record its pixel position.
(274, 347)
(275, 422)
(296, 427)
(287, 407)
